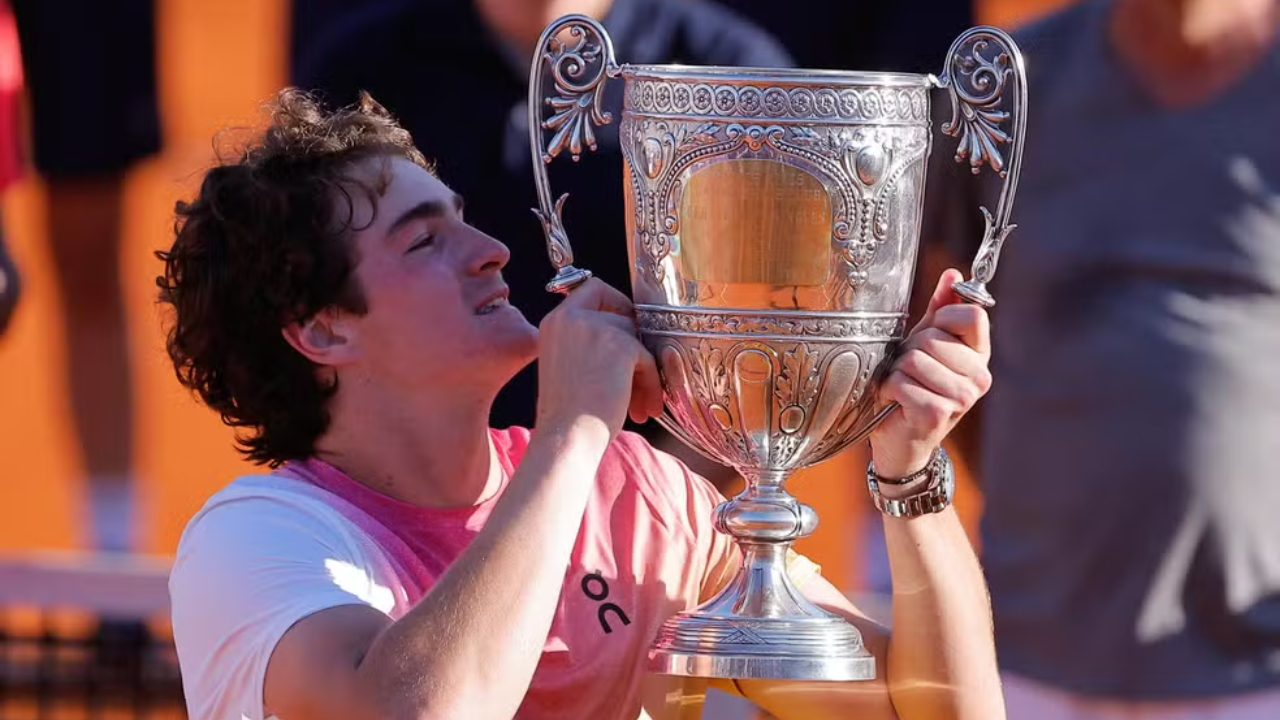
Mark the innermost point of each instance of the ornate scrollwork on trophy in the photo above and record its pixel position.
(816, 377)
(986, 80)
(796, 391)
(859, 166)
(578, 67)
(655, 147)
(866, 165)
(976, 86)
(765, 405)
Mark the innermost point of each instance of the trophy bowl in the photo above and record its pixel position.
(773, 219)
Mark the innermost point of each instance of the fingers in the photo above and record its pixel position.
(969, 323)
(921, 406)
(963, 387)
(620, 322)
(949, 349)
(613, 308)
(595, 294)
(943, 296)
(646, 393)
(945, 351)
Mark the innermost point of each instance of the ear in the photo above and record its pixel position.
(327, 338)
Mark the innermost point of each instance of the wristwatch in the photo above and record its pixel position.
(934, 498)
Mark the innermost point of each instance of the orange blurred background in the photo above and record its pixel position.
(217, 62)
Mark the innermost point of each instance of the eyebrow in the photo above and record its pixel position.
(426, 209)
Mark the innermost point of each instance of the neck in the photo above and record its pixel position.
(1187, 51)
(521, 22)
(430, 454)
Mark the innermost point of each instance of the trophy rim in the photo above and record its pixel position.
(796, 76)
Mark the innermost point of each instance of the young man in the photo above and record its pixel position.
(405, 560)
(407, 55)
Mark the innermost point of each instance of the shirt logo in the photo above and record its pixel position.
(595, 588)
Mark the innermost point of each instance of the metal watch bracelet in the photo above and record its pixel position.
(934, 498)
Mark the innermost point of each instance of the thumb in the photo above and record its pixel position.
(943, 296)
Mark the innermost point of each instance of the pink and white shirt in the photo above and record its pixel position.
(269, 550)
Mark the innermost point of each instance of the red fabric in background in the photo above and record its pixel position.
(11, 158)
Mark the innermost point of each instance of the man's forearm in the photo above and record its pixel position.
(941, 659)
(470, 647)
(937, 662)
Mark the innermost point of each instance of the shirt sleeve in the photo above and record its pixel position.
(246, 571)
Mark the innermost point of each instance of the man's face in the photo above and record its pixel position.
(437, 304)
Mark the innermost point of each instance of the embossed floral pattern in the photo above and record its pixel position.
(775, 101)
(872, 327)
(681, 96)
(662, 97)
(701, 98)
(850, 104)
(726, 100)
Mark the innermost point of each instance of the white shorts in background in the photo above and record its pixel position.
(1030, 700)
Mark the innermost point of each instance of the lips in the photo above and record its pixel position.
(496, 301)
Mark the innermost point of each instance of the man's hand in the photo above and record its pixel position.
(940, 373)
(591, 363)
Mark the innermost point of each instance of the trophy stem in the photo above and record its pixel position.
(761, 625)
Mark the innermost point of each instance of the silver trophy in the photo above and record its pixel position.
(773, 222)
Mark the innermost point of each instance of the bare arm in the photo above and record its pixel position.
(942, 658)
(470, 647)
(939, 661)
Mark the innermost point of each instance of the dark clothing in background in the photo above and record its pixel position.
(90, 70)
(1130, 533)
(463, 96)
(886, 35)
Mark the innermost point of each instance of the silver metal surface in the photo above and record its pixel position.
(934, 498)
(981, 62)
(773, 222)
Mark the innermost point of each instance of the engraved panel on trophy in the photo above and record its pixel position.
(750, 227)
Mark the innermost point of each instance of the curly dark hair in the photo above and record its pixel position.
(267, 242)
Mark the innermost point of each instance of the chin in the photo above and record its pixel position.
(519, 348)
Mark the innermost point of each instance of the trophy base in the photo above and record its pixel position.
(696, 644)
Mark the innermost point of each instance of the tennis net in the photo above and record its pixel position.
(86, 636)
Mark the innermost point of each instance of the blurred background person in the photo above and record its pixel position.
(1127, 451)
(884, 35)
(456, 72)
(90, 76)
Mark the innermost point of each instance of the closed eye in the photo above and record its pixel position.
(425, 241)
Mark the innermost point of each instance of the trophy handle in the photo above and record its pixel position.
(976, 85)
(579, 72)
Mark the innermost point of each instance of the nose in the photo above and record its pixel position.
(487, 254)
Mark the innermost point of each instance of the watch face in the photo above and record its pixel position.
(948, 484)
